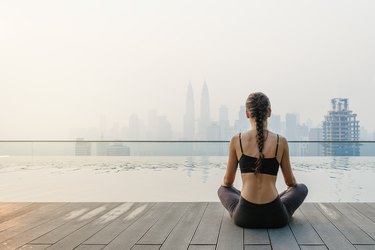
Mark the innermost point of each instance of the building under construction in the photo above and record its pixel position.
(341, 124)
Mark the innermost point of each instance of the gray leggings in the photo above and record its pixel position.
(276, 213)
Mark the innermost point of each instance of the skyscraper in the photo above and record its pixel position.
(189, 116)
(204, 120)
(275, 123)
(242, 123)
(291, 133)
(291, 126)
(225, 133)
(340, 124)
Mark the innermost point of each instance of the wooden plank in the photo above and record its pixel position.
(91, 211)
(317, 247)
(83, 233)
(89, 247)
(4, 206)
(351, 231)
(64, 215)
(32, 208)
(356, 217)
(282, 238)
(365, 210)
(371, 204)
(34, 247)
(330, 235)
(201, 247)
(258, 247)
(30, 220)
(160, 230)
(108, 233)
(183, 232)
(230, 235)
(365, 247)
(17, 213)
(3, 203)
(146, 247)
(303, 231)
(8, 208)
(313, 225)
(127, 238)
(209, 227)
(256, 236)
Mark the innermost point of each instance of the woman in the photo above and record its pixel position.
(259, 153)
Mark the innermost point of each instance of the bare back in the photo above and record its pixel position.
(259, 188)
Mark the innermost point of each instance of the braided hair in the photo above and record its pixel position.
(258, 104)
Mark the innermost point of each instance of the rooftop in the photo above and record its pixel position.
(179, 225)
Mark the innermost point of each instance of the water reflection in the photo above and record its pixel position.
(190, 164)
(340, 163)
(205, 163)
(329, 178)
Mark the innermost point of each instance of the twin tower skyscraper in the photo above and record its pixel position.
(196, 128)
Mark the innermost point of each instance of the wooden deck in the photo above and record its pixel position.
(175, 225)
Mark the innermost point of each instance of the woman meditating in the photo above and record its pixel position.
(259, 153)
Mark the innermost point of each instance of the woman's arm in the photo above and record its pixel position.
(230, 173)
(286, 168)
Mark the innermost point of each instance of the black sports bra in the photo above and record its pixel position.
(268, 165)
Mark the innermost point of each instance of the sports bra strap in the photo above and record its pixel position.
(240, 143)
(277, 145)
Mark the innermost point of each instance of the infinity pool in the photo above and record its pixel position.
(164, 178)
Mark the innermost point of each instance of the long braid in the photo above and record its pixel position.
(260, 142)
(258, 104)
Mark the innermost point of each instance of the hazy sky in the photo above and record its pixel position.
(65, 63)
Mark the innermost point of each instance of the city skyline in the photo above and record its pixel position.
(64, 65)
(222, 128)
(157, 126)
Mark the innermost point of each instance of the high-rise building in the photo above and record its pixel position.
(291, 134)
(225, 131)
(82, 147)
(291, 126)
(275, 124)
(189, 116)
(204, 120)
(314, 148)
(340, 124)
(220, 130)
(242, 123)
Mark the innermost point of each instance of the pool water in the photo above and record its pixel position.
(164, 178)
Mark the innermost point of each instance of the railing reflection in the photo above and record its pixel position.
(171, 148)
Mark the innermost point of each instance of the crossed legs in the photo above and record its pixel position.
(292, 198)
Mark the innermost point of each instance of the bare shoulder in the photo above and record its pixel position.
(283, 143)
(235, 139)
(283, 140)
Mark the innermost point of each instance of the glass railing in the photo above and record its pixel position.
(171, 148)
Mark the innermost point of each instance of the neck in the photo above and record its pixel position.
(254, 126)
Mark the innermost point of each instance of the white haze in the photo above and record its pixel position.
(64, 64)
